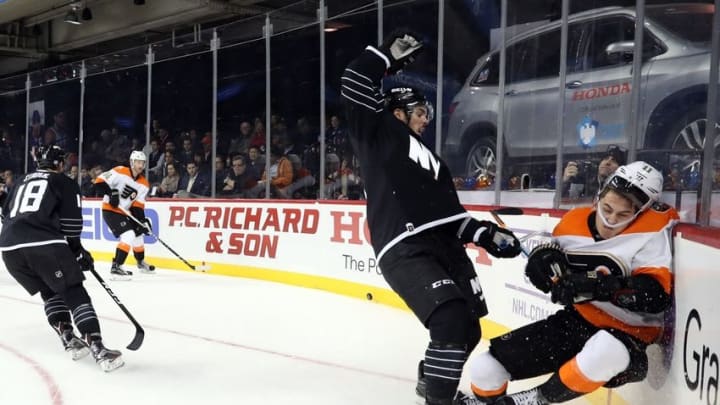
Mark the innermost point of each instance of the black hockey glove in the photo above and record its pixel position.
(147, 225)
(114, 198)
(585, 286)
(499, 242)
(85, 259)
(401, 47)
(546, 264)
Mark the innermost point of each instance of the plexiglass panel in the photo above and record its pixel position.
(113, 121)
(12, 134)
(355, 30)
(294, 155)
(239, 160)
(56, 106)
(182, 121)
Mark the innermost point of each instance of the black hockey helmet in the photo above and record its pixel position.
(49, 157)
(407, 98)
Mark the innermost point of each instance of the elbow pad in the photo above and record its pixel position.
(138, 213)
(102, 188)
(641, 294)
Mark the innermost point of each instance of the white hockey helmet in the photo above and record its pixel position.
(137, 155)
(639, 182)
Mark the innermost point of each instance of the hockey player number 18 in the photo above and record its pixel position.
(29, 196)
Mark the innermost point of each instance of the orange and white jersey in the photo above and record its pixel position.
(642, 248)
(133, 191)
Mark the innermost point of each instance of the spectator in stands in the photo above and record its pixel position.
(238, 182)
(336, 139)
(303, 180)
(288, 145)
(305, 134)
(202, 165)
(221, 172)
(194, 184)
(155, 160)
(281, 175)
(86, 181)
(338, 181)
(169, 157)
(240, 143)
(163, 137)
(8, 178)
(258, 137)
(73, 172)
(255, 160)
(91, 190)
(169, 184)
(579, 179)
(206, 149)
(59, 132)
(185, 155)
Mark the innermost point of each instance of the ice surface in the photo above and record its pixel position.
(215, 340)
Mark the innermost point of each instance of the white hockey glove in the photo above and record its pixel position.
(401, 47)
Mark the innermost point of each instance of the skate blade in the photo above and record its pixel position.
(147, 271)
(116, 277)
(111, 365)
(78, 354)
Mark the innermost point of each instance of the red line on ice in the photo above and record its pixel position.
(53, 389)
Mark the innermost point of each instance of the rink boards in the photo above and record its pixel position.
(324, 245)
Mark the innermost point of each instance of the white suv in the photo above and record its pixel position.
(675, 72)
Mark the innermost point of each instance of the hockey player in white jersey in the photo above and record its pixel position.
(124, 190)
(610, 266)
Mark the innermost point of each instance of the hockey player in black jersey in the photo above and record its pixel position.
(40, 244)
(417, 225)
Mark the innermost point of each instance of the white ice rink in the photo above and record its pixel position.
(215, 340)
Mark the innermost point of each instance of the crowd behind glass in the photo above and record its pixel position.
(97, 108)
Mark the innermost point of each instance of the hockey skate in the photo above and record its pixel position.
(118, 273)
(107, 359)
(72, 344)
(462, 399)
(145, 267)
(529, 397)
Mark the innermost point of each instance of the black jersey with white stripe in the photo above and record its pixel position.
(44, 208)
(409, 188)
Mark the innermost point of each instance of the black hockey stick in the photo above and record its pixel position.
(505, 211)
(201, 267)
(139, 331)
(508, 211)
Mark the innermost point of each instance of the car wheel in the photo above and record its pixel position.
(481, 159)
(689, 133)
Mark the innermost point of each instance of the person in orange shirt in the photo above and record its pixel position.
(609, 265)
(124, 190)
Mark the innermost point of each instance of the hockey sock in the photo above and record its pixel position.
(452, 329)
(57, 312)
(443, 367)
(555, 391)
(120, 255)
(83, 312)
(139, 254)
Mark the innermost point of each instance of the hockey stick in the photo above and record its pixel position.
(139, 331)
(202, 267)
(505, 211)
(509, 211)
